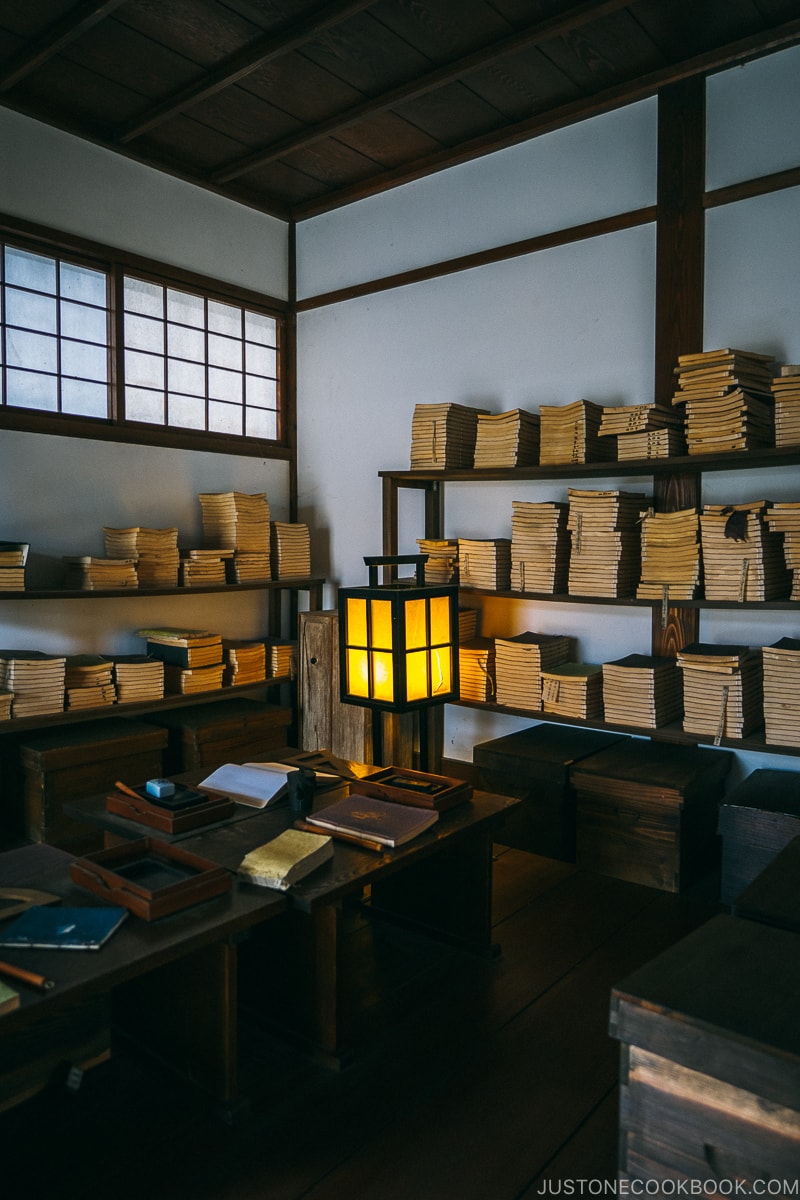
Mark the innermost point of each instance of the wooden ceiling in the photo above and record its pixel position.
(297, 106)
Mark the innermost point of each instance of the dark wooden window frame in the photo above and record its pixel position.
(116, 263)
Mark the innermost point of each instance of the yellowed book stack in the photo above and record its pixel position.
(519, 663)
(476, 669)
(508, 439)
(786, 394)
(443, 436)
(467, 624)
(442, 564)
(281, 657)
(539, 547)
(569, 433)
(36, 680)
(784, 518)
(6, 701)
(605, 556)
(290, 554)
(782, 692)
(13, 559)
(642, 690)
(138, 678)
(155, 552)
(204, 568)
(251, 566)
(245, 662)
(236, 520)
(722, 689)
(188, 680)
(85, 573)
(573, 690)
(728, 400)
(89, 681)
(485, 563)
(742, 558)
(643, 431)
(671, 559)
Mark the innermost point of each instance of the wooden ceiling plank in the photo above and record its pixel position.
(238, 65)
(540, 31)
(76, 22)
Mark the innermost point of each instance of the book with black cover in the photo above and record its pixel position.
(63, 928)
(377, 820)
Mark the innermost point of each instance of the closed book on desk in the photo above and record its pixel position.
(9, 998)
(378, 820)
(63, 928)
(287, 858)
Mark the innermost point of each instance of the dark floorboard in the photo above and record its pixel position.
(473, 1079)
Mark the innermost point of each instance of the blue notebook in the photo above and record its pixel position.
(55, 927)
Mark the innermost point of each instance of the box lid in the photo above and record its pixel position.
(559, 745)
(91, 742)
(766, 790)
(207, 722)
(657, 765)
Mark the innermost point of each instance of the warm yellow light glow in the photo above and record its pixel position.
(417, 675)
(441, 670)
(440, 620)
(416, 625)
(382, 678)
(380, 612)
(356, 622)
(357, 673)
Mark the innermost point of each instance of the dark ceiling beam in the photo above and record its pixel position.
(768, 41)
(239, 65)
(540, 31)
(71, 26)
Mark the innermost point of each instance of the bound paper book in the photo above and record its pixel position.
(57, 927)
(286, 859)
(256, 784)
(378, 820)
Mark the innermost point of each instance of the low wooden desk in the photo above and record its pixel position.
(171, 982)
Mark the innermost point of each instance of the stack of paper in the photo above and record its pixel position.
(87, 574)
(508, 439)
(539, 547)
(280, 657)
(291, 550)
(89, 681)
(485, 564)
(785, 518)
(467, 624)
(442, 564)
(155, 552)
(671, 563)
(204, 568)
(245, 662)
(786, 394)
(782, 692)
(640, 421)
(569, 434)
(236, 520)
(642, 690)
(722, 689)
(728, 398)
(139, 678)
(250, 566)
(13, 558)
(573, 690)
(476, 669)
(659, 443)
(36, 680)
(184, 647)
(6, 700)
(606, 544)
(443, 436)
(286, 859)
(742, 558)
(184, 680)
(519, 663)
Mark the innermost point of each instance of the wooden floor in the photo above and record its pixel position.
(472, 1079)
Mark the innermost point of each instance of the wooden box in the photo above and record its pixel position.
(234, 730)
(647, 812)
(535, 766)
(205, 810)
(710, 1060)
(80, 760)
(760, 816)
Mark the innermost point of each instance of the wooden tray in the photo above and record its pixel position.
(140, 809)
(150, 877)
(417, 788)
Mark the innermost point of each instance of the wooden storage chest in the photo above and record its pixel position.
(79, 760)
(760, 816)
(710, 1061)
(231, 730)
(535, 765)
(647, 811)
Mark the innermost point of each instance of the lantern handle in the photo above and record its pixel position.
(387, 560)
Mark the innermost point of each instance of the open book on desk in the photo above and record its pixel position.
(255, 784)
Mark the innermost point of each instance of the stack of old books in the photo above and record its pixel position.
(671, 562)
(138, 678)
(193, 658)
(569, 433)
(245, 662)
(280, 657)
(722, 689)
(573, 690)
(508, 439)
(476, 669)
(13, 558)
(642, 690)
(606, 545)
(89, 681)
(442, 564)
(36, 680)
(443, 436)
(784, 518)
(644, 431)
(539, 547)
(519, 663)
(155, 552)
(728, 398)
(204, 568)
(786, 394)
(235, 520)
(782, 692)
(485, 564)
(291, 550)
(6, 701)
(467, 624)
(251, 566)
(84, 573)
(742, 557)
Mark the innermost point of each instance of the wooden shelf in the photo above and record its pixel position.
(299, 584)
(632, 602)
